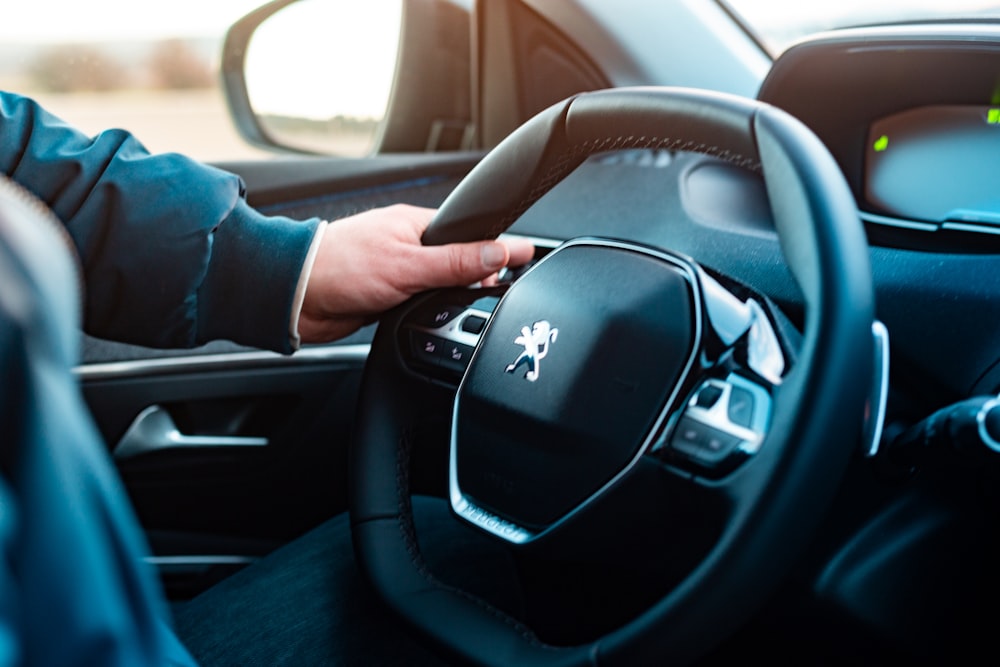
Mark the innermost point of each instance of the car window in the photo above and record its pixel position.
(150, 67)
(778, 23)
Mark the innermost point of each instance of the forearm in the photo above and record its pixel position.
(172, 254)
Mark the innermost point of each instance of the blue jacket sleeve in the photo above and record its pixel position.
(173, 255)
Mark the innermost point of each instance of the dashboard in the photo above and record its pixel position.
(912, 116)
(911, 154)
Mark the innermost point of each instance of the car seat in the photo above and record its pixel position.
(73, 589)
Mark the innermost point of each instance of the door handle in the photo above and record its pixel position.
(154, 430)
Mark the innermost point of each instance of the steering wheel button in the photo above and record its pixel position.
(435, 315)
(741, 407)
(426, 349)
(706, 445)
(455, 356)
(473, 324)
(708, 396)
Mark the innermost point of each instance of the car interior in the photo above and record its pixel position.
(742, 405)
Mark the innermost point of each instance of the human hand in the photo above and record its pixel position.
(373, 261)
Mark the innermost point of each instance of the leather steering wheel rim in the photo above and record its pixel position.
(817, 408)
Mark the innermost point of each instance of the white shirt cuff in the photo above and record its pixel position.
(300, 289)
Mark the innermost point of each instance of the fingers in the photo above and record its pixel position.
(468, 263)
(506, 251)
(493, 256)
(372, 261)
(521, 250)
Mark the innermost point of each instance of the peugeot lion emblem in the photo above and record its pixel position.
(536, 342)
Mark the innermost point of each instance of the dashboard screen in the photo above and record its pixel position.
(936, 164)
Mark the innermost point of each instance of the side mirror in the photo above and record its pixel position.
(351, 78)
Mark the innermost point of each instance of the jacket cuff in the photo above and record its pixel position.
(248, 294)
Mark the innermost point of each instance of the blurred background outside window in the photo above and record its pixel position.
(150, 67)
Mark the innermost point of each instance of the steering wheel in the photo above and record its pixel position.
(610, 372)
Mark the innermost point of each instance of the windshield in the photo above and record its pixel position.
(778, 23)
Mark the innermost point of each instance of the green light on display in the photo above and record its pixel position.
(993, 117)
(883, 142)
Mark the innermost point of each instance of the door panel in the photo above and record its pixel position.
(303, 409)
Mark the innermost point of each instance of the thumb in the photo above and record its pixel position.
(460, 263)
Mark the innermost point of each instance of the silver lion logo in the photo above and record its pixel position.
(536, 342)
